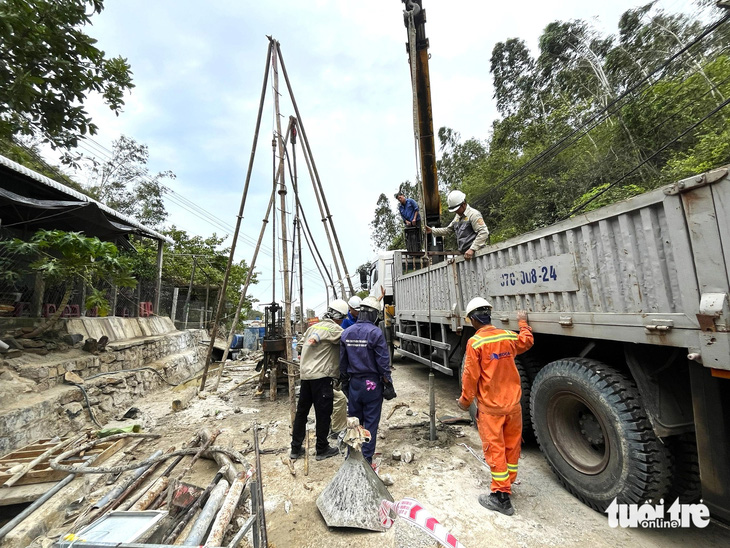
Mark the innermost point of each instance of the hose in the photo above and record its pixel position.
(137, 369)
(55, 463)
(88, 405)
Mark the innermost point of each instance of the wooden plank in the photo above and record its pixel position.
(21, 494)
(43, 473)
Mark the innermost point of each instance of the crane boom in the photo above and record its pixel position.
(424, 122)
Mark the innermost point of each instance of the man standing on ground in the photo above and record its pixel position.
(468, 225)
(364, 369)
(491, 376)
(354, 305)
(408, 208)
(319, 367)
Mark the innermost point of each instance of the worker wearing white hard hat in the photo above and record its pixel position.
(354, 310)
(365, 370)
(491, 378)
(468, 225)
(318, 369)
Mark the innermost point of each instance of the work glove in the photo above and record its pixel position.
(345, 384)
(388, 390)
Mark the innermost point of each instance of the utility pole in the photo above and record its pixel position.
(190, 290)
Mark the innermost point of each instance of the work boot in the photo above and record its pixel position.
(498, 502)
(296, 453)
(329, 452)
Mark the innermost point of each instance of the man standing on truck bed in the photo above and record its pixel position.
(468, 225)
(319, 367)
(491, 376)
(408, 208)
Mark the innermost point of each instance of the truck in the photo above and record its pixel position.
(627, 388)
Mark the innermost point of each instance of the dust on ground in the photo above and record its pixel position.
(444, 476)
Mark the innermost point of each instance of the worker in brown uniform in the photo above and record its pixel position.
(491, 376)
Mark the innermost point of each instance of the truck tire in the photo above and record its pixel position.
(685, 483)
(532, 366)
(590, 424)
(526, 383)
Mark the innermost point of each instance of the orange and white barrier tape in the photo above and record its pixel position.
(412, 511)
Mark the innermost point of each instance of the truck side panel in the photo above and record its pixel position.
(635, 271)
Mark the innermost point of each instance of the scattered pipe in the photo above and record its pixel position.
(202, 524)
(194, 507)
(215, 538)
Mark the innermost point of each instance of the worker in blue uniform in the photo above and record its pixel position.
(354, 309)
(408, 208)
(365, 370)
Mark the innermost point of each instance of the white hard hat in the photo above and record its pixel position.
(371, 302)
(339, 305)
(354, 302)
(476, 303)
(455, 199)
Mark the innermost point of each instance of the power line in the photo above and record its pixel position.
(603, 113)
(625, 175)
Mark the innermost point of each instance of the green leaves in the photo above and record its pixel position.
(70, 257)
(48, 66)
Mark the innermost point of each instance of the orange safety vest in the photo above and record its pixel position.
(490, 374)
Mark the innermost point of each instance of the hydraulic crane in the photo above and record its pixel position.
(417, 46)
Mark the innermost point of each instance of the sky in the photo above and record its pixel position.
(198, 69)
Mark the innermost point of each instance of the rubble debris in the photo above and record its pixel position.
(182, 399)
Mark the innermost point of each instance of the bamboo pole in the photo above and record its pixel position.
(249, 275)
(239, 218)
(284, 244)
(309, 151)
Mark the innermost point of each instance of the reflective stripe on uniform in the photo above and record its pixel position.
(511, 467)
(479, 341)
(500, 476)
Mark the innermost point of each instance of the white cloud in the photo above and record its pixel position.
(198, 70)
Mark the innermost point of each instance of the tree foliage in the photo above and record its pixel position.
(124, 183)
(49, 66)
(68, 257)
(589, 118)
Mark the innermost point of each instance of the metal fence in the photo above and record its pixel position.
(25, 294)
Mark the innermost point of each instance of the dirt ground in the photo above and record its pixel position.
(444, 477)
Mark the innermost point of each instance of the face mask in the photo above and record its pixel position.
(368, 315)
(483, 318)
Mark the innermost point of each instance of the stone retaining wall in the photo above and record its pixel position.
(56, 408)
(48, 371)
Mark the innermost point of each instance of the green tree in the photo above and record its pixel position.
(124, 183)
(48, 67)
(67, 257)
(385, 226)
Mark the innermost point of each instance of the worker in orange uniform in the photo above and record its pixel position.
(491, 376)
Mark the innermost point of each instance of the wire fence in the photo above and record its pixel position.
(24, 293)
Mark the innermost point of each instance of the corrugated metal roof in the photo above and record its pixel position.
(7, 162)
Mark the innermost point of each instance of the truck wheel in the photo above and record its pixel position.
(526, 382)
(685, 483)
(590, 424)
(532, 366)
